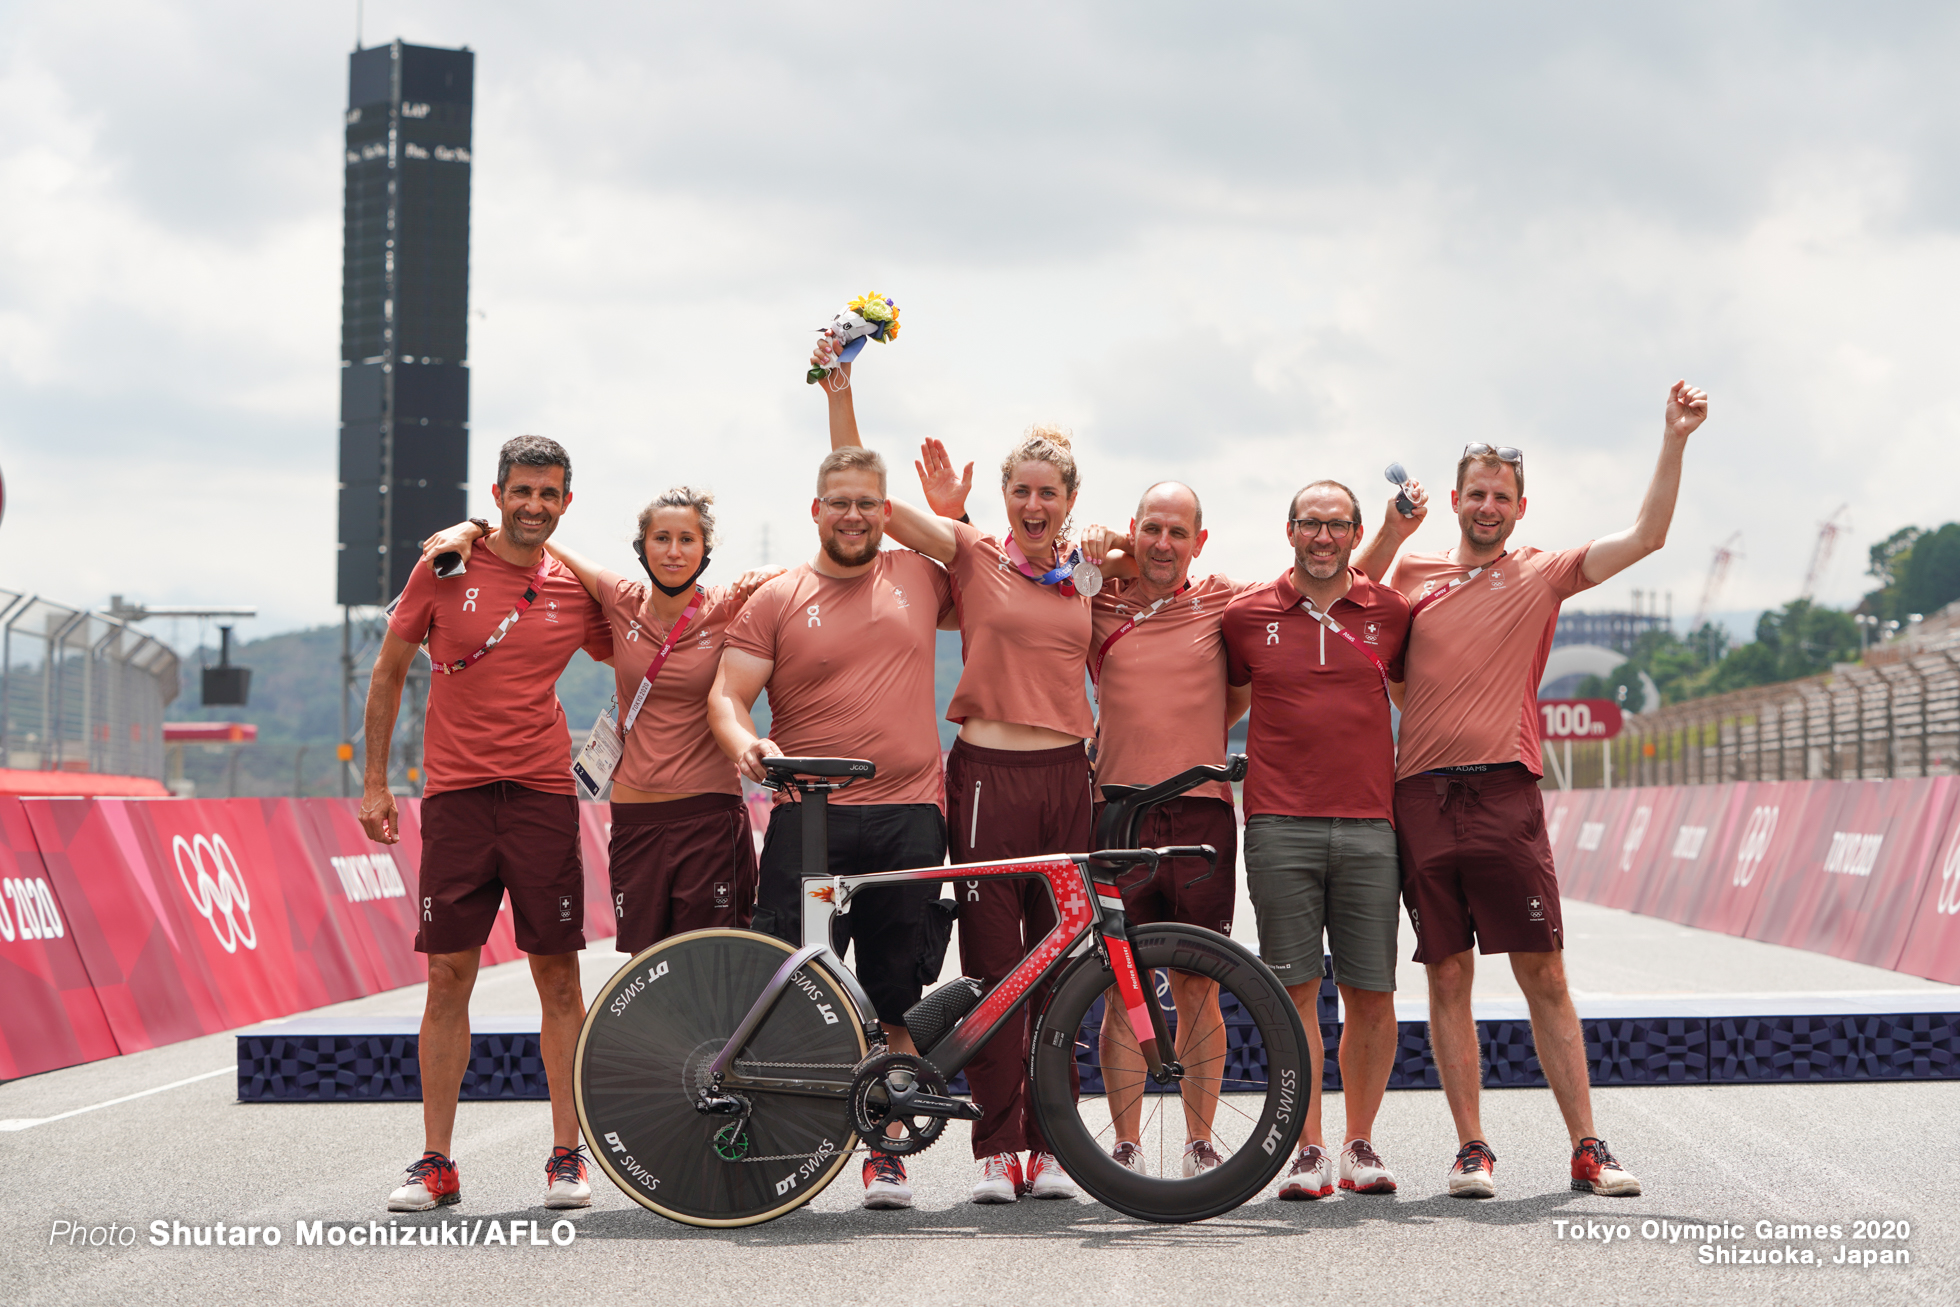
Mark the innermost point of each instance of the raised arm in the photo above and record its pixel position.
(1687, 408)
(915, 528)
(1378, 554)
(582, 567)
(739, 679)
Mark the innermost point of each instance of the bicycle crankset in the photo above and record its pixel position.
(907, 1090)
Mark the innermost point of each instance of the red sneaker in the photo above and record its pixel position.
(564, 1178)
(432, 1182)
(1595, 1171)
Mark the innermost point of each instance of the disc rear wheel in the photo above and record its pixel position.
(643, 1057)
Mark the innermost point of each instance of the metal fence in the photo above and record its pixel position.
(1896, 714)
(80, 691)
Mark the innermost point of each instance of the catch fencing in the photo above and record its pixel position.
(80, 691)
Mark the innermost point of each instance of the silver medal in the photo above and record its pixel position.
(1088, 579)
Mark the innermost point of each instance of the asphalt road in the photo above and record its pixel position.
(1814, 1155)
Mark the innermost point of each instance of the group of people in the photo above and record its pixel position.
(1343, 822)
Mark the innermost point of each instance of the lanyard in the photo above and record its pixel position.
(1434, 595)
(1059, 577)
(1095, 668)
(503, 627)
(660, 660)
(1381, 668)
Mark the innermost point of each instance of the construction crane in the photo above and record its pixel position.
(1827, 533)
(1718, 572)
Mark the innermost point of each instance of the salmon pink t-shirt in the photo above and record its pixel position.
(1024, 644)
(670, 749)
(498, 719)
(853, 670)
(1162, 686)
(1319, 738)
(1476, 655)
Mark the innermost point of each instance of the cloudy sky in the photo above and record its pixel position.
(1242, 244)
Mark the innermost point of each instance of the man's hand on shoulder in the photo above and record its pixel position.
(1687, 409)
(753, 580)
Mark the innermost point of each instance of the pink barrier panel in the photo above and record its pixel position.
(1676, 848)
(595, 845)
(1750, 854)
(1802, 903)
(1565, 816)
(370, 887)
(181, 916)
(1890, 879)
(1702, 830)
(1932, 947)
(1645, 842)
(1588, 862)
(53, 1016)
(1625, 844)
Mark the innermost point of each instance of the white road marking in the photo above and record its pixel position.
(29, 1122)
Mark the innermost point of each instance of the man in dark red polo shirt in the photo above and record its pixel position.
(499, 813)
(1320, 645)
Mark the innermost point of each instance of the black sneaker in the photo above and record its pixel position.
(1472, 1176)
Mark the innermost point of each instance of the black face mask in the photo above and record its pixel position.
(671, 591)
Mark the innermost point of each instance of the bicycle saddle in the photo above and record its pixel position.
(1122, 816)
(782, 769)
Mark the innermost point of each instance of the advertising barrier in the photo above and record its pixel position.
(130, 923)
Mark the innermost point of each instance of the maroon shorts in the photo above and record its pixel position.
(1185, 890)
(1003, 804)
(1476, 864)
(684, 865)
(478, 843)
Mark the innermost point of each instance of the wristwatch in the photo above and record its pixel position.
(481, 525)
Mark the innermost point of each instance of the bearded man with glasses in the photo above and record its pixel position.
(844, 645)
(1320, 645)
(1468, 813)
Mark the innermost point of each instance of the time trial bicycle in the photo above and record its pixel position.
(723, 1077)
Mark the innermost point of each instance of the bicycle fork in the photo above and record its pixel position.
(1141, 1007)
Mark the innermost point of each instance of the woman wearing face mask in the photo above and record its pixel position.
(1017, 779)
(682, 857)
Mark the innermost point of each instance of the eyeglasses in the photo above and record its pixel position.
(1310, 527)
(1505, 453)
(839, 507)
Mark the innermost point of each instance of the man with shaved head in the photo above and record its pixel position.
(1157, 658)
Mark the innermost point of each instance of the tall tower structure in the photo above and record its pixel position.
(404, 317)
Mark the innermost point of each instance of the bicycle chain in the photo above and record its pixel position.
(800, 1066)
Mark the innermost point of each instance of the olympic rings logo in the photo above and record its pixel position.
(1949, 901)
(1754, 847)
(222, 894)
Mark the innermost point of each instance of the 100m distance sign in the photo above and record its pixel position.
(1578, 719)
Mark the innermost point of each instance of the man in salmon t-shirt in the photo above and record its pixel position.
(499, 813)
(1157, 659)
(844, 645)
(1476, 863)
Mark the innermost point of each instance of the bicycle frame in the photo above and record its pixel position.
(1088, 915)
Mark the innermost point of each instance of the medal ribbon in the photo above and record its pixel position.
(503, 628)
(660, 660)
(1059, 577)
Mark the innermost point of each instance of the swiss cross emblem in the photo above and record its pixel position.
(1372, 632)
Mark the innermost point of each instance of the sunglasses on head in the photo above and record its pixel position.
(1505, 453)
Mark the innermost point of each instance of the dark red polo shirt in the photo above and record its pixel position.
(1319, 736)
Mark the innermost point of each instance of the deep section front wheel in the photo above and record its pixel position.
(643, 1058)
(1244, 1084)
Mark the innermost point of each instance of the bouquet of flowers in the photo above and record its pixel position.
(868, 317)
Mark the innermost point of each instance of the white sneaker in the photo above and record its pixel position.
(1312, 1175)
(1199, 1157)
(1473, 1174)
(1000, 1179)
(1129, 1156)
(564, 1175)
(1047, 1179)
(1363, 1171)
(884, 1182)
